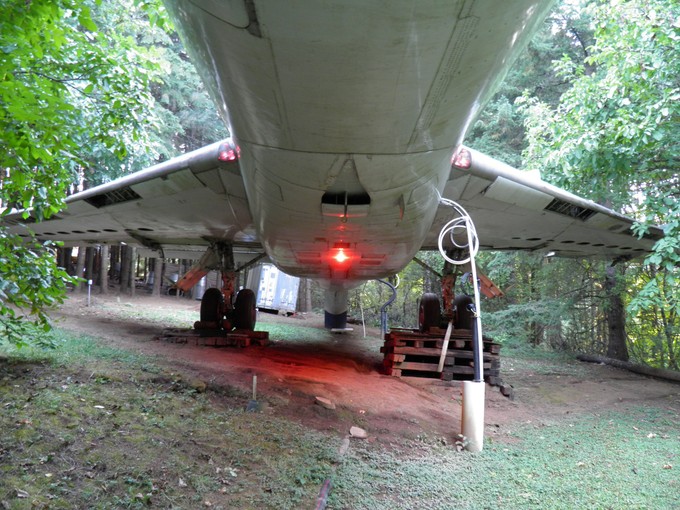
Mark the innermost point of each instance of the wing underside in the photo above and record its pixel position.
(512, 211)
(178, 208)
(174, 209)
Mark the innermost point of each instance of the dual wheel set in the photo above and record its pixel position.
(430, 312)
(242, 315)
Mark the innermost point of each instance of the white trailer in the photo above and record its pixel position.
(275, 290)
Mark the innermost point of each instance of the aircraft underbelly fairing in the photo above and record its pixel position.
(347, 115)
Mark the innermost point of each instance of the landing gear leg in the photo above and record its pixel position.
(335, 308)
(216, 304)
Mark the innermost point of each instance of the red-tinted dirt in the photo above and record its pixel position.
(346, 370)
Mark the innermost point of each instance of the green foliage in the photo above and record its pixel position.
(30, 282)
(614, 137)
(655, 326)
(411, 283)
(557, 303)
(69, 94)
(185, 117)
(499, 130)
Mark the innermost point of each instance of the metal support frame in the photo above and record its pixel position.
(383, 309)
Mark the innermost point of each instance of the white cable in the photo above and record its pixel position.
(462, 224)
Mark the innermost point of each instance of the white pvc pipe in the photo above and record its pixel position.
(472, 422)
(473, 415)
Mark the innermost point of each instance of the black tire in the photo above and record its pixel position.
(429, 312)
(464, 317)
(245, 314)
(212, 305)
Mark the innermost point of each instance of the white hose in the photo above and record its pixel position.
(461, 224)
(472, 416)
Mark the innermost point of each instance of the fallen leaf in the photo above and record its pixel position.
(182, 483)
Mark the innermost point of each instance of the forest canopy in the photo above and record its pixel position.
(92, 90)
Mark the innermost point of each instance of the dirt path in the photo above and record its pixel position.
(346, 369)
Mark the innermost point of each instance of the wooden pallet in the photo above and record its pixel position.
(409, 353)
(216, 338)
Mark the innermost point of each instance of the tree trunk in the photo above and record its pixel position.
(157, 276)
(304, 295)
(104, 270)
(89, 264)
(616, 317)
(124, 269)
(661, 373)
(133, 269)
(115, 262)
(80, 266)
(68, 265)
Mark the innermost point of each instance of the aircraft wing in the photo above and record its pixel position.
(174, 209)
(513, 211)
(177, 208)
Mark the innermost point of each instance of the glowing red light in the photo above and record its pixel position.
(341, 257)
(462, 158)
(227, 155)
(228, 151)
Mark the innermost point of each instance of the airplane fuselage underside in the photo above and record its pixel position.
(347, 115)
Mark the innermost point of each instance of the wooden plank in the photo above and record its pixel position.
(423, 343)
(413, 365)
(459, 369)
(395, 357)
(422, 351)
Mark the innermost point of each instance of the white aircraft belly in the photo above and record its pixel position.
(381, 237)
(307, 86)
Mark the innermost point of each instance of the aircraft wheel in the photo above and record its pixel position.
(429, 312)
(212, 305)
(464, 316)
(245, 314)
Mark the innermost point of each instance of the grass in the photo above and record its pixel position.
(100, 428)
(611, 461)
(541, 361)
(91, 426)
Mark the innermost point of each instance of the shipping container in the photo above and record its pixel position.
(275, 291)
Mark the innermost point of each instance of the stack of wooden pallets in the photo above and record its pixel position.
(410, 353)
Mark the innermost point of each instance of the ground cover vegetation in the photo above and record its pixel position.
(92, 425)
(572, 107)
